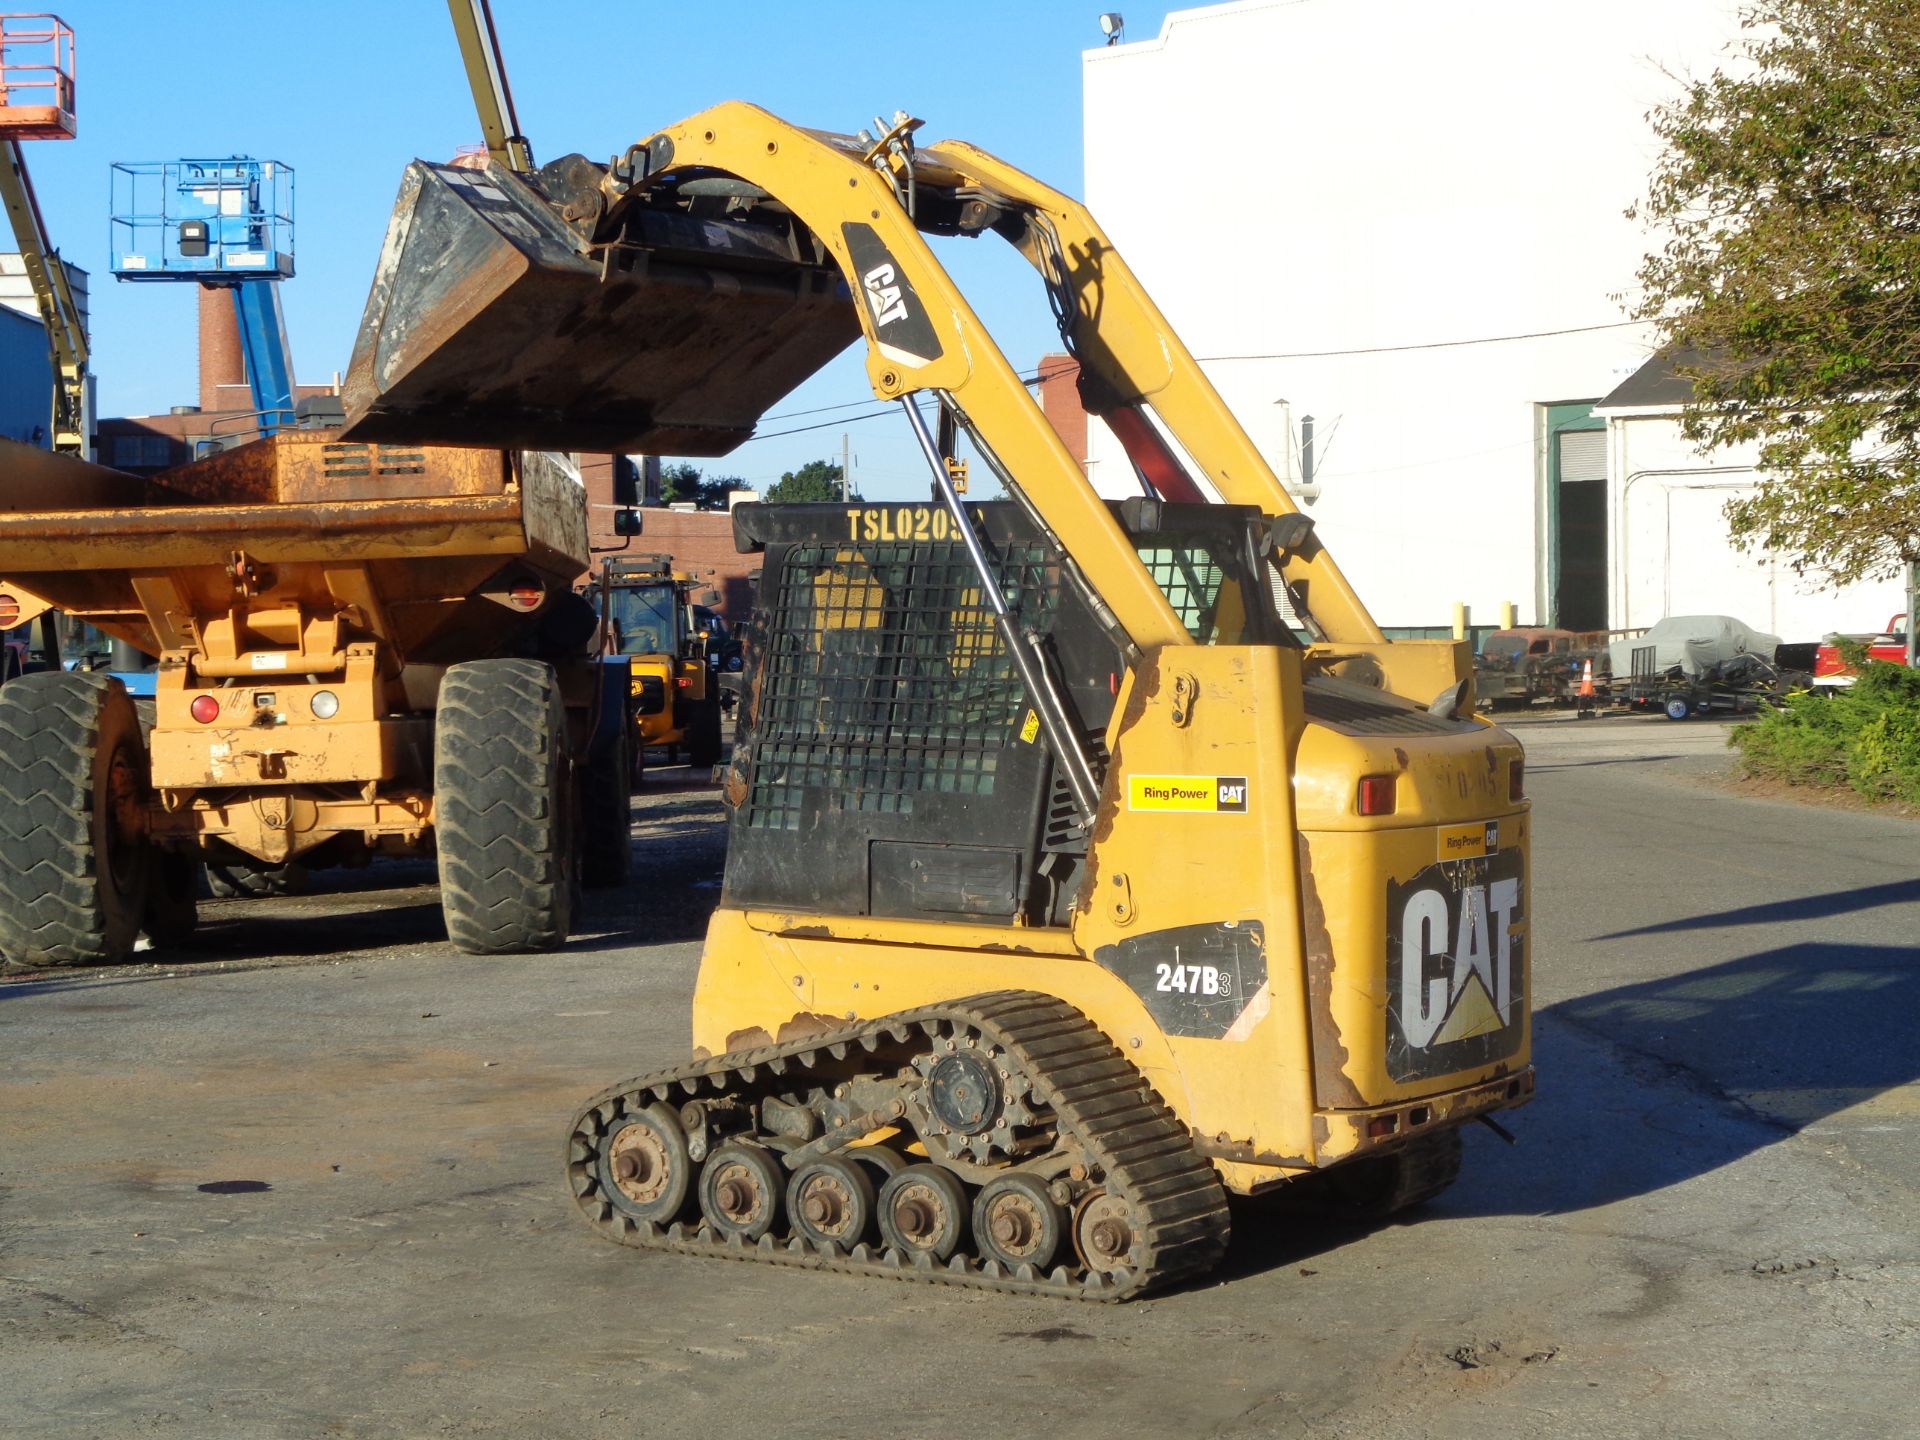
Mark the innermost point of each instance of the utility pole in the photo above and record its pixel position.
(846, 457)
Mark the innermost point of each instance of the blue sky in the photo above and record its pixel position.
(348, 91)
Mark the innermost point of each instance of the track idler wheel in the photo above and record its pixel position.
(645, 1170)
(1103, 1232)
(923, 1211)
(1017, 1221)
(741, 1190)
(831, 1202)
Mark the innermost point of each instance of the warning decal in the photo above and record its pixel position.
(1213, 794)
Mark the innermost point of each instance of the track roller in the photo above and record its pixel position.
(742, 1190)
(832, 1202)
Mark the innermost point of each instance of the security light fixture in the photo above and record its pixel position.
(1112, 24)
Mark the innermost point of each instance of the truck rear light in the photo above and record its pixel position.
(205, 709)
(9, 612)
(325, 704)
(1377, 794)
(526, 597)
(683, 681)
(1516, 779)
(1382, 1125)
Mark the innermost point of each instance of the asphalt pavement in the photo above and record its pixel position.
(304, 1179)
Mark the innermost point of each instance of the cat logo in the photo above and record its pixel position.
(903, 328)
(884, 295)
(1456, 966)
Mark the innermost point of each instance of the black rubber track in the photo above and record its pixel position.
(1373, 1189)
(1146, 1156)
(501, 815)
(61, 901)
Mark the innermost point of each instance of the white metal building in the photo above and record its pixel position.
(1668, 547)
(1349, 188)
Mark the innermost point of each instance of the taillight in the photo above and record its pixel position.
(1377, 794)
(682, 681)
(526, 597)
(1516, 780)
(9, 612)
(205, 709)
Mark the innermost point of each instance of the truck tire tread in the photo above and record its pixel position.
(56, 907)
(500, 806)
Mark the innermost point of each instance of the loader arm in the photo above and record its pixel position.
(66, 336)
(1131, 356)
(921, 333)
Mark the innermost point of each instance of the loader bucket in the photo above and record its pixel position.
(491, 323)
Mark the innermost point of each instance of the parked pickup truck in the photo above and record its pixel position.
(1830, 670)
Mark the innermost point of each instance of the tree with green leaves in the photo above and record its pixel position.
(816, 481)
(1788, 283)
(685, 484)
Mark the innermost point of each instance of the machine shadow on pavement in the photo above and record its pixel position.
(1789, 1035)
(1772, 1043)
(1777, 912)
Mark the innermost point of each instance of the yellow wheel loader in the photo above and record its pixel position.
(1089, 860)
(649, 610)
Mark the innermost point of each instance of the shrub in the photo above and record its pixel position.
(1866, 736)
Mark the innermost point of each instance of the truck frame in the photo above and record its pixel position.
(362, 651)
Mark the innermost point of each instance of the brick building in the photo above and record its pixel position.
(700, 541)
(1059, 386)
(146, 443)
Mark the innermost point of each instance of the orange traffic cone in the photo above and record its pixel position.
(1586, 682)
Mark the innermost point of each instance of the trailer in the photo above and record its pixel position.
(362, 650)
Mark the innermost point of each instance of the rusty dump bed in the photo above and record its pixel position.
(495, 321)
(400, 540)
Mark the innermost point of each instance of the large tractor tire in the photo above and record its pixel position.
(74, 868)
(606, 816)
(703, 738)
(244, 882)
(502, 818)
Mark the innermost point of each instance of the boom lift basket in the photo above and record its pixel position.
(492, 322)
(36, 78)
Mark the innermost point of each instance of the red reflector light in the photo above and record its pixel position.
(1377, 794)
(682, 681)
(526, 597)
(9, 612)
(1382, 1125)
(1516, 779)
(205, 709)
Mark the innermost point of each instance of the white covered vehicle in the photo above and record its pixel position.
(1700, 647)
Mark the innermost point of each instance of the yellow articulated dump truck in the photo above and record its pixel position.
(363, 650)
(649, 612)
(1090, 860)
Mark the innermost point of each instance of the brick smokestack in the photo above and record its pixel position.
(223, 365)
(1060, 402)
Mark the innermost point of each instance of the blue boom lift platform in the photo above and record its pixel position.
(226, 224)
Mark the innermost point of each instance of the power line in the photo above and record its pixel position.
(1429, 345)
(1029, 379)
(1039, 375)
